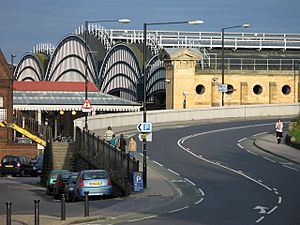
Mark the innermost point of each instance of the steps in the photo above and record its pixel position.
(62, 156)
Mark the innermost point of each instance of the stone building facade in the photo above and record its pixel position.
(190, 87)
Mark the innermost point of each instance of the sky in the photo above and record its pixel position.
(25, 23)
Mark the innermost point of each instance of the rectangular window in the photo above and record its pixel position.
(3, 115)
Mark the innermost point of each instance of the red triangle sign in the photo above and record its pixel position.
(86, 104)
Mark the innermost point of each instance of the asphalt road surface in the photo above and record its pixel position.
(240, 184)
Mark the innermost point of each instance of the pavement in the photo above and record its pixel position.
(160, 192)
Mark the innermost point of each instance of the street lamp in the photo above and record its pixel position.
(86, 55)
(12, 61)
(145, 82)
(246, 25)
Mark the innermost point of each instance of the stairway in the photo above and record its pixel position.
(62, 156)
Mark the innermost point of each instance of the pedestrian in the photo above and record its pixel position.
(132, 147)
(108, 134)
(114, 141)
(279, 130)
(122, 143)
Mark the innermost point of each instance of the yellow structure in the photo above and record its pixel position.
(187, 86)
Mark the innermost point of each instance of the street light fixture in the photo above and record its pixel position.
(86, 55)
(246, 25)
(192, 22)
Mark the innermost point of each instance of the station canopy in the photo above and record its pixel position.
(69, 101)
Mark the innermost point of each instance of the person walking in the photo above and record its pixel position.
(132, 147)
(122, 143)
(108, 134)
(279, 130)
(114, 141)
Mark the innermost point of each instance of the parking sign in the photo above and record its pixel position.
(138, 184)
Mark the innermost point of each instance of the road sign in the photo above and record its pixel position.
(138, 184)
(223, 88)
(146, 136)
(86, 107)
(144, 127)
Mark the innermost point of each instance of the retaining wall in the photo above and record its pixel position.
(102, 121)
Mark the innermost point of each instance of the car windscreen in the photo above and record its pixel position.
(94, 175)
(10, 159)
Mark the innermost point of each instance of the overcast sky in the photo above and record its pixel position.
(25, 23)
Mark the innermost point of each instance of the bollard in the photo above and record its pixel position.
(63, 207)
(86, 203)
(36, 212)
(8, 213)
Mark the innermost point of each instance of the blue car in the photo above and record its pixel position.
(95, 182)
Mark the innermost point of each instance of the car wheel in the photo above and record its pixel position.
(22, 173)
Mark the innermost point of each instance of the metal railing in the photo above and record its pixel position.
(101, 155)
(251, 64)
(164, 39)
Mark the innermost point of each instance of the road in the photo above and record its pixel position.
(241, 184)
(237, 183)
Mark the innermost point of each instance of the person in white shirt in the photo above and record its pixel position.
(279, 130)
(108, 134)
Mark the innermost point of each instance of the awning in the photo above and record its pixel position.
(69, 101)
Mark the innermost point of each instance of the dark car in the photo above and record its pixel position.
(38, 166)
(59, 187)
(51, 181)
(16, 165)
(70, 187)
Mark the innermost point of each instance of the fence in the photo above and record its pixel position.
(99, 154)
(251, 64)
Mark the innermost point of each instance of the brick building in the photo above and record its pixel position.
(6, 114)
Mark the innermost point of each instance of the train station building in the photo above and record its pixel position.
(183, 70)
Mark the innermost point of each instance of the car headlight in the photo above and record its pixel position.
(71, 188)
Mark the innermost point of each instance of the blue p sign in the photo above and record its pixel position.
(138, 184)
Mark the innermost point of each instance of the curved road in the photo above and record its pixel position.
(240, 184)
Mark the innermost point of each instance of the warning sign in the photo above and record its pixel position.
(86, 107)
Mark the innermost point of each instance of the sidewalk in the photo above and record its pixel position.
(268, 143)
(156, 194)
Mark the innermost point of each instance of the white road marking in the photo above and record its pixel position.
(240, 145)
(254, 135)
(291, 168)
(198, 202)
(192, 183)
(177, 210)
(279, 200)
(260, 219)
(172, 171)
(143, 218)
(272, 210)
(158, 163)
(253, 153)
(271, 160)
(243, 139)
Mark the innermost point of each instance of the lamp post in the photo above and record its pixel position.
(145, 82)
(12, 61)
(86, 55)
(246, 25)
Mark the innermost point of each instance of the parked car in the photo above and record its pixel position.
(52, 180)
(59, 187)
(38, 166)
(16, 165)
(70, 187)
(95, 182)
